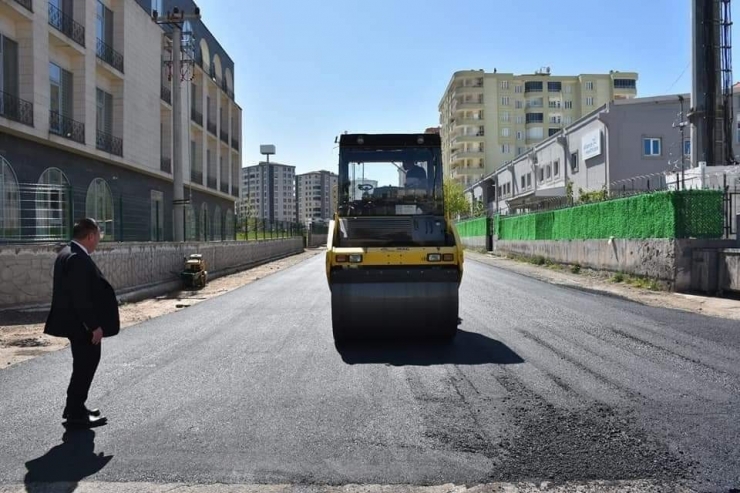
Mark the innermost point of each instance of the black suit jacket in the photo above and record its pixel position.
(83, 299)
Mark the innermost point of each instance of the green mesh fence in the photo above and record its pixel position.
(473, 227)
(680, 214)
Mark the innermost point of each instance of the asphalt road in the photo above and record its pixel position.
(542, 383)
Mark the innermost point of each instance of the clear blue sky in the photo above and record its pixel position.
(306, 70)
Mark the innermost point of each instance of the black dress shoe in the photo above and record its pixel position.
(90, 412)
(85, 421)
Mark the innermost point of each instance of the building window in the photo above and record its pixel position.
(505, 116)
(529, 180)
(104, 116)
(60, 104)
(505, 148)
(589, 101)
(519, 89)
(574, 162)
(203, 231)
(52, 205)
(9, 76)
(519, 104)
(505, 101)
(10, 203)
(217, 223)
(568, 89)
(519, 135)
(687, 147)
(554, 86)
(520, 119)
(505, 131)
(99, 206)
(625, 84)
(556, 168)
(524, 182)
(569, 105)
(651, 146)
(590, 85)
(504, 84)
(157, 215)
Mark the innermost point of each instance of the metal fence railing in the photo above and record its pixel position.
(45, 213)
(727, 181)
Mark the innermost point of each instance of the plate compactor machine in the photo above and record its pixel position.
(394, 260)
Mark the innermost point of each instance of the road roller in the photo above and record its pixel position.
(394, 260)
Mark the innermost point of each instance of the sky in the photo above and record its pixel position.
(308, 70)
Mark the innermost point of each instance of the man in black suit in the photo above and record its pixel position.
(84, 309)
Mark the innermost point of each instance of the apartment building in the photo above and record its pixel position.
(86, 123)
(268, 192)
(487, 119)
(316, 194)
(623, 146)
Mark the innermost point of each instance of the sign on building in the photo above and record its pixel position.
(591, 144)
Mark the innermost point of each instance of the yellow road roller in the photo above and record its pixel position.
(394, 260)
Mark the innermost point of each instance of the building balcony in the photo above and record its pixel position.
(165, 164)
(235, 144)
(477, 154)
(66, 127)
(211, 127)
(224, 136)
(109, 55)
(66, 25)
(468, 106)
(108, 143)
(463, 90)
(212, 182)
(459, 139)
(196, 116)
(234, 191)
(16, 109)
(166, 94)
(224, 187)
(467, 171)
(196, 176)
(470, 122)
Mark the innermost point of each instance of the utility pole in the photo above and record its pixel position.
(682, 126)
(175, 19)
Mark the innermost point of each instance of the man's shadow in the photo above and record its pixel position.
(66, 464)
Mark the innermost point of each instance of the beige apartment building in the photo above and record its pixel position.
(487, 119)
(86, 122)
(316, 194)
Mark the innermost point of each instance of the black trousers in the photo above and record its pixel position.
(85, 359)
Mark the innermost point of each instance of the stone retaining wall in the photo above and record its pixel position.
(26, 271)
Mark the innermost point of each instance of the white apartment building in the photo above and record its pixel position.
(623, 146)
(268, 192)
(86, 122)
(489, 118)
(316, 194)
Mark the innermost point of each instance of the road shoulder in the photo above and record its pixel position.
(21, 332)
(597, 282)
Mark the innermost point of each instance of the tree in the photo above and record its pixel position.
(455, 201)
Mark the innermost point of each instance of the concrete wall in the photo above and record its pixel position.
(473, 241)
(672, 261)
(316, 240)
(26, 271)
(715, 270)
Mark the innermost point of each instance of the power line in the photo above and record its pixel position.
(679, 77)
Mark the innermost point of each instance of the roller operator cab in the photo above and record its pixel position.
(394, 261)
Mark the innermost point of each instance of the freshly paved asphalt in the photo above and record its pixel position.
(542, 383)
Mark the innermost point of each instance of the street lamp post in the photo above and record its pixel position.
(175, 19)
